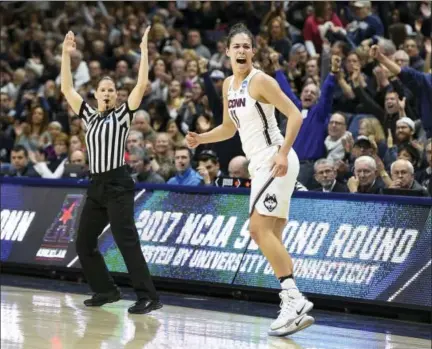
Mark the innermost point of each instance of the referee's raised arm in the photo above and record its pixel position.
(66, 84)
(137, 93)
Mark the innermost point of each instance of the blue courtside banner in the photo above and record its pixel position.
(376, 249)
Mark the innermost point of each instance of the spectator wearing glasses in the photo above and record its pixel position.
(325, 175)
(337, 130)
(402, 175)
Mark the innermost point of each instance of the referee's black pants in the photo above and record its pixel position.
(110, 198)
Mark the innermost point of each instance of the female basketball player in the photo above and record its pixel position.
(250, 98)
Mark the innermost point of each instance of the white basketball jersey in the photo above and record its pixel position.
(255, 121)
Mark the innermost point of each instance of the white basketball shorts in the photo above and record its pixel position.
(271, 196)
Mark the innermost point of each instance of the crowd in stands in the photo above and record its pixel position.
(366, 129)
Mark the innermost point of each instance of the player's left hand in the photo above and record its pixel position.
(280, 165)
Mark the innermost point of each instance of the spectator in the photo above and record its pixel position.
(402, 174)
(336, 130)
(142, 171)
(404, 134)
(185, 175)
(313, 30)
(238, 167)
(365, 179)
(21, 166)
(141, 123)
(415, 61)
(194, 42)
(134, 140)
(325, 175)
(424, 176)
(208, 166)
(366, 24)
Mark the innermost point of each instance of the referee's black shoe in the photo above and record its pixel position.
(144, 306)
(100, 299)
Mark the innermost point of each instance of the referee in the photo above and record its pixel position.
(110, 195)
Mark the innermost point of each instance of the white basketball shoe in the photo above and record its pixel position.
(292, 315)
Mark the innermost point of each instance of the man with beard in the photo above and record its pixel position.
(404, 134)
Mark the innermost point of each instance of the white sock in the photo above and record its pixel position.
(290, 286)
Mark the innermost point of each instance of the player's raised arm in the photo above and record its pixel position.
(67, 88)
(269, 90)
(136, 96)
(220, 133)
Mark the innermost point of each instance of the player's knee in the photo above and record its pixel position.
(255, 231)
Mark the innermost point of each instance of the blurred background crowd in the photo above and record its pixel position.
(365, 129)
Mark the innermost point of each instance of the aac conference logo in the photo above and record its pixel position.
(62, 230)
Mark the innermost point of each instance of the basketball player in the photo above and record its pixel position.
(250, 98)
(110, 195)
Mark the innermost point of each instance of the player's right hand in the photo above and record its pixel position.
(193, 140)
(69, 44)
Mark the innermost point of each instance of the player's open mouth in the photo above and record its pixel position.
(241, 60)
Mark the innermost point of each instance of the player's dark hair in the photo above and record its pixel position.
(240, 28)
(107, 78)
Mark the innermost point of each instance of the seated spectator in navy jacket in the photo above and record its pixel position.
(424, 176)
(185, 174)
(365, 179)
(21, 166)
(325, 175)
(402, 175)
(366, 24)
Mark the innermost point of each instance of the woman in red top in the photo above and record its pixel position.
(323, 14)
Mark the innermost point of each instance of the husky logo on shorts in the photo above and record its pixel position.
(270, 202)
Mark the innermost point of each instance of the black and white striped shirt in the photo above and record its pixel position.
(106, 136)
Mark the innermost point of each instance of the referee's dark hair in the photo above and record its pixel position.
(107, 77)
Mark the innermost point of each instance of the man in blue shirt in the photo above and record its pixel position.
(185, 174)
